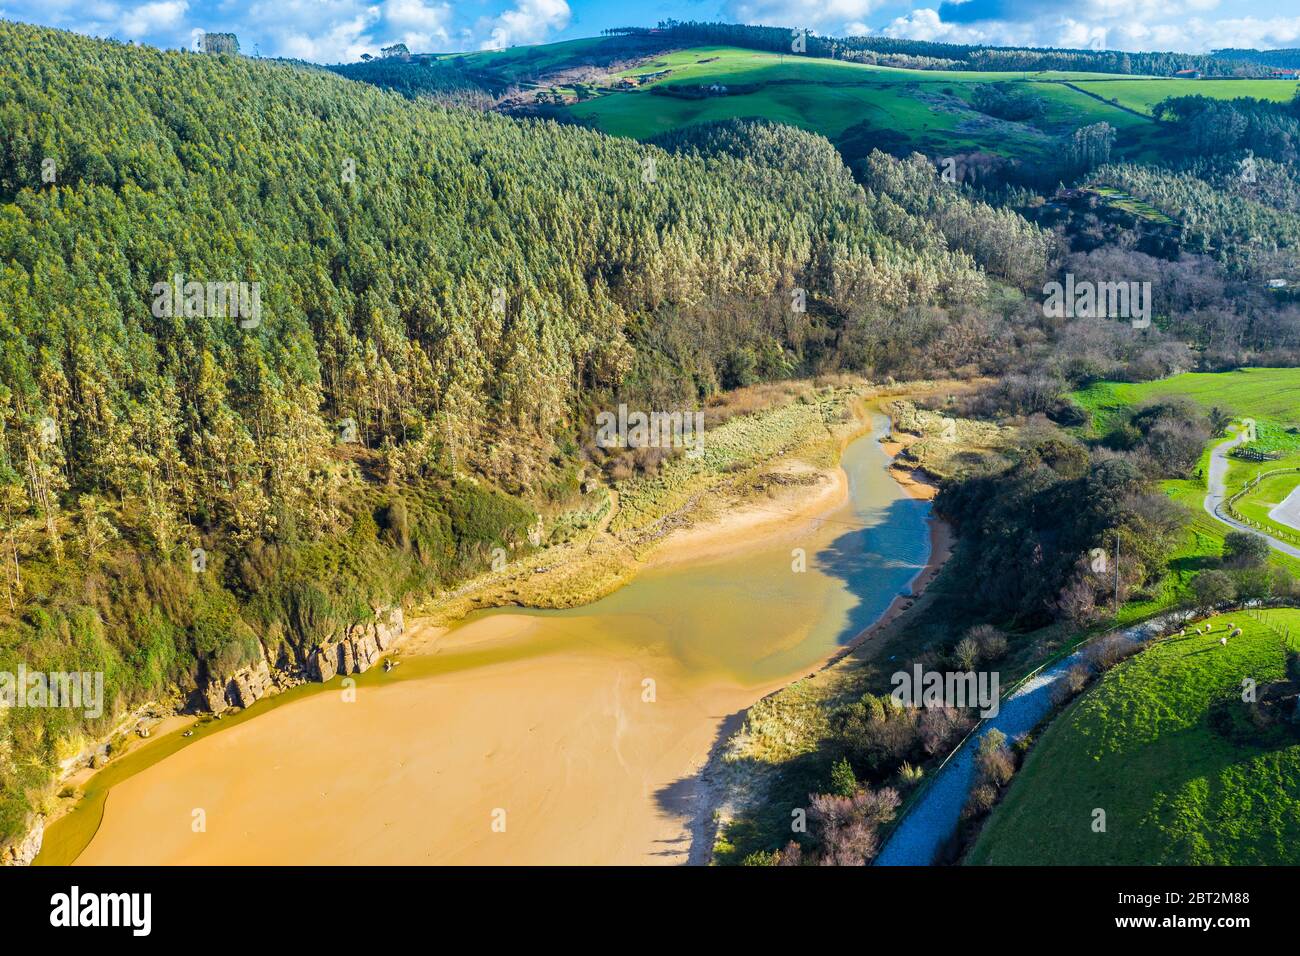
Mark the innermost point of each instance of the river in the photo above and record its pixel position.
(521, 736)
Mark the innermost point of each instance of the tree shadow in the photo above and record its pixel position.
(877, 563)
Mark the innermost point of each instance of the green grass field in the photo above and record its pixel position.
(524, 62)
(1263, 393)
(1270, 395)
(1270, 492)
(1142, 93)
(929, 110)
(925, 110)
(1141, 746)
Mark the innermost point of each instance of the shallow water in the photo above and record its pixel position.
(749, 617)
(546, 713)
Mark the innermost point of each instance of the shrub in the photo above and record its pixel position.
(939, 727)
(1242, 549)
(981, 801)
(847, 826)
(967, 654)
(1071, 682)
(843, 781)
(992, 642)
(1109, 651)
(993, 761)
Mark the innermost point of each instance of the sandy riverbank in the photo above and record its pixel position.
(548, 722)
(584, 769)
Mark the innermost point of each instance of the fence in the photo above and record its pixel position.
(1273, 528)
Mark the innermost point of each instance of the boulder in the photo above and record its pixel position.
(325, 662)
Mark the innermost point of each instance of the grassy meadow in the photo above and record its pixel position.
(1162, 744)
(1269, 395)
(1142, 93)
(925, 110)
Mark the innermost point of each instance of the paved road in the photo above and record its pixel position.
(1288, 512)
(1217, 492)
(933, 820)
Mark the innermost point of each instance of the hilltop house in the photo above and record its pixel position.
(220, 43)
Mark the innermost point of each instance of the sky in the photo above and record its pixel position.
(333, 31)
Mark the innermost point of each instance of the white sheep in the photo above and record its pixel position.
(1223, 641)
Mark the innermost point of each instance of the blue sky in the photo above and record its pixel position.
(341, 30)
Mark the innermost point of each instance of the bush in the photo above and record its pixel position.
(967, 654)
(1071, 683)
(1109, 651)
(993, 761)
(843, 782)
(939, 727)
(847, 826)
(876, 732)
(1242, 549)
(981, 801)
(992, 643)
(1213, 588)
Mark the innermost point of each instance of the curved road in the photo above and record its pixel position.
(1216, 494)
(933, 820)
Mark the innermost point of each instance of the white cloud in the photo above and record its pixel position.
(1136, 25)
(151, 18)
(528, 22)
(834, 16)
(421, 26)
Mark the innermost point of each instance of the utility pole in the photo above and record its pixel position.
(1117, 575)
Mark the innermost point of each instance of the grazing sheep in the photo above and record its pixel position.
(1223, 641)
(1236, 632)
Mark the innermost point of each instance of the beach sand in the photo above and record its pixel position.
(522, 748)
(561, 748)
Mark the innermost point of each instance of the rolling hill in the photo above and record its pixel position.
(1166, 748)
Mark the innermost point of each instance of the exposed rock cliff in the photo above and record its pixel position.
(23, 852)
(241, 689)
(359, 648)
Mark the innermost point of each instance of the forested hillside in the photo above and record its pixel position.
(445, 298)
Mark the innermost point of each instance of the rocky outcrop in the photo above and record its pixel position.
(357, 650)
(360, 647)
(241, 689)
(23, 852)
